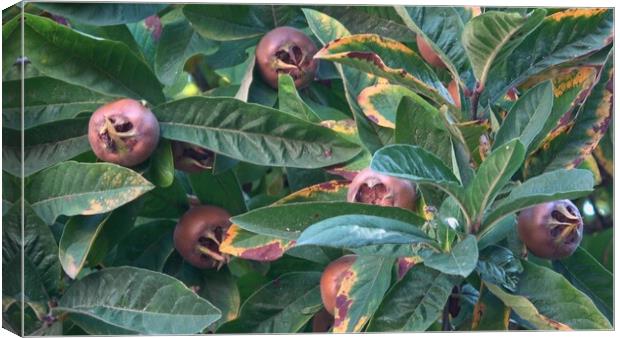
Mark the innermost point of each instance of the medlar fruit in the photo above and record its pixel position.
(373, 188)
(198, 235)
(551, 230)
(286, 50)
(427, 53)
(331, 279)
(124, 132)
(191, 158)
(322, 321)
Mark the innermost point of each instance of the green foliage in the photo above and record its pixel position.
(536, 93)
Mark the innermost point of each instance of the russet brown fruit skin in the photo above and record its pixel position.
(124, 132)
(202, 226)
(331, 279)
(373, 188)
(286, 50)
(191, 158)
(427, 53)
(453, 89)
(322, 321)
(551, 230)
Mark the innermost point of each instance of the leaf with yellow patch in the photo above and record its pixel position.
(327, 191)
(389, 59)
(72, 188)
(380, 103)
(361, 292)
(245, 244)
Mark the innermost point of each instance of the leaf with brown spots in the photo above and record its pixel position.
(380, 103)
(326, 191)
(389, 59)
(361, 292)
(570, 148)
(245, 244)
(490, 313)
(72, 188)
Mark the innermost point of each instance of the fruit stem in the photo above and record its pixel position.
(210, 253)
(475, 97)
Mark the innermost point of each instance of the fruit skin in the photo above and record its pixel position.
(331, 279)
(371, 187)
(427, 53)
(191, 158)
(551, 230)
(453, 89)
(124, 132)
(286, 50)
(198, 234)
(322, 321)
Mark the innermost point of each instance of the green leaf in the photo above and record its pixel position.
(150, 303)
(494, 234)
(352, 231)
(361, 292)
(557, 306)
(165, 202)
(492, 36)
(366, 19)
(102, 14)
(46, 100)
(11, 191)
(27, 234)
(161, 167)
(46, 145)
(284, 305)
(177, 44)
(498, 265)
(527, 117)
(146, 246)
(222, 190)
(252, 133)
(492, 175)
(549, 46)
(288, 221)
(418, 123)
(72, 188)
(460, 261)
(87, 239)
(389, 59)
(415, 302)
(326, 29)
(550, 186)
(380, 102)
(224, 22)
(589, 276)
(11, 45)
(442, 29)
(104, 66)
(290, 102)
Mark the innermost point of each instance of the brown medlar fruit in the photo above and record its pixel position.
(371, 187)
(286, 50)
(191, 158)
(124, 132)
(551, 230)
(198, 235)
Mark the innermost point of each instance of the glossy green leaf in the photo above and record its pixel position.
(389, 59)
(492, 36)
(102, 14)
(220, 289)
(46, 100)
(72, 188)
(87, 239)
(289, 220)
(492, 175)
(498, 265)
(550, 186)
(46, 145)
(414, 302)
(222, 190)
(557, 306)
(589, 276)
(11, 44)
(11, 191)
(104, 66)
(527, 116)
(290, 102)
(146, 246)
(494, 234)
(460, 261)
(161, 165)
(361, 292)
(151, 303)
(177, 44)
(224, 22)
(252, 133)
(352, 231)
(284, 305)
